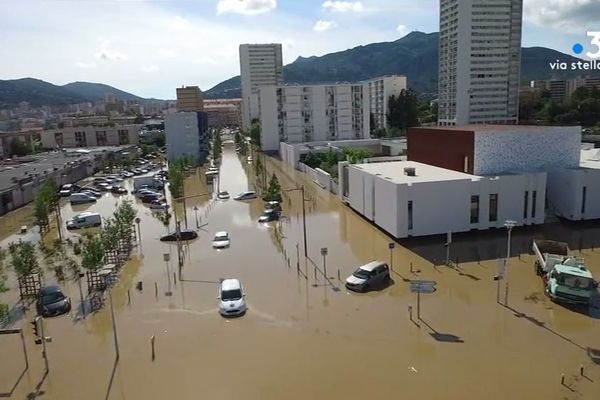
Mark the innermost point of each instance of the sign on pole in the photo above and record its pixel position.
(166, 257)
(323, 251)
(391, 245)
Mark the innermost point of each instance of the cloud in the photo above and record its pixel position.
(402, 30)
(570, 15)
(322, 26)
(343, 6)
(85, 65)
(245, 7)
(149, 68)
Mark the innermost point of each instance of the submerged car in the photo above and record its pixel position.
(221, 240)
(232, 300)
(223, 195)
(249, 195)
(269, 215)
(159, 205)
(52, 302)
(375, 274)
(118, 190)
(185, 234)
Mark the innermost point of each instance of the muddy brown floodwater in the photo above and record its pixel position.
(304, 338)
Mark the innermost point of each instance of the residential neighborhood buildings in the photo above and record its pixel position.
(187, 136)
(90, 136)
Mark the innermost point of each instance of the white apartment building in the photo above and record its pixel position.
(91, 136)
(479, 61)
(379, 91)
(260, 65)
(187, 136)
(295, 114)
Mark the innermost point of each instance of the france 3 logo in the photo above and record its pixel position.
(595, 42)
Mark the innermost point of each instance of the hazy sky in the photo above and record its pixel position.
(150, 47)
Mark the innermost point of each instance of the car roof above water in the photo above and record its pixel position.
(372, 265)
(231, 284)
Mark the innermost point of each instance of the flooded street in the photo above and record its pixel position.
(303, 336)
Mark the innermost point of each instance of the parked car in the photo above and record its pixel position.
(245, 196)
(232, 299)
(150, 197)
(103, 187)
(116, 178)
(221, 240)
(118, 190)
(273, 205)
(99, 179)
(66, 189)
(223, 195)
(84, 220)
(81, 198)
(51, 302)
(64, 192)
(366, 277)
(185, 234)
(213, 169)
(158, 205)
(91, 191)
(249, 159)
(137, 171)
(268, 216)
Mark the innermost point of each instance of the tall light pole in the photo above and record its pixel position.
(509, 225)
(301, 189)
(105, 273)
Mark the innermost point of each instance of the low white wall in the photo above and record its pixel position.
(565, 193)
(320, 177)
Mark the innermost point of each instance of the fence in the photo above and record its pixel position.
(320, 177)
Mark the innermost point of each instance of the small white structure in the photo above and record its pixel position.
(574, 193)
(408, 198)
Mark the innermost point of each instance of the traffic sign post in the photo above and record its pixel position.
(448, 242)
(419, 287)
(391, 246)
(324, 254)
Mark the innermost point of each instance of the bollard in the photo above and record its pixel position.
(581, 370)
(410, 311)
(411, 269)
(174, 278)
(128, 297)
(156, 290)
(562, 379)
(152, 345)
(288, 260)
(339, 276)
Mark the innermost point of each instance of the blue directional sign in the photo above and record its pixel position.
(417, 286)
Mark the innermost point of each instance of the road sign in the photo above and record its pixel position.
(391, 245)
(425, 283)
(417, 286)
(166, 257)
(323, 251)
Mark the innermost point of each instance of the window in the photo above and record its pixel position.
(493, 216)
(525, 204)
(58, 138)
(80, 139)
(583, 196)
(474, 209)
(533, 203)
(123, 136)
(410, 214)
(101, 138)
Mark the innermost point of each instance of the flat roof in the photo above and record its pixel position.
(394, 172)
(590, 159)
(498, 128)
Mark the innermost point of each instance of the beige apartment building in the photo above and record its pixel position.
(223, 112)
(189, 99)
(91, 136)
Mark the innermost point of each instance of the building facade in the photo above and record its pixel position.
(189, 99)
(379, 91)
(260, 65)
(295, 114)
(223, 112)
(187, 136)
(479, 61)
(408, 198)
(91, 136)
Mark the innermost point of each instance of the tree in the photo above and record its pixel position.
(355, 156)
(403, 110)
(24, 258)
(18, 148)
(380, 133)
(258, 167)
(274, 190)
(255, 134)
(46, 202)
(216, 149)
(93, 253)
(176, 178)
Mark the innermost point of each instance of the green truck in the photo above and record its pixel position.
(565, 276)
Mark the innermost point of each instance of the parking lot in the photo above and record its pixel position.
(304, 336)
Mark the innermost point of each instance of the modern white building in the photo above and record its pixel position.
(295, 114)
(479, 61)
(378, 91)
(90, 136)
(187, 136)
(260, 65)
(408, 198)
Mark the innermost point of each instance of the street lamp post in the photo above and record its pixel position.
(137, 221)
(509, 225)
(301, 189)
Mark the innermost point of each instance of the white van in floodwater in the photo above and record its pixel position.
(84, 220)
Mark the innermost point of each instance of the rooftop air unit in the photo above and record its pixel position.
(410, 171)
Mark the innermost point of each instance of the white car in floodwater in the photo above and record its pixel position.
(221, 240)
(232, 299)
